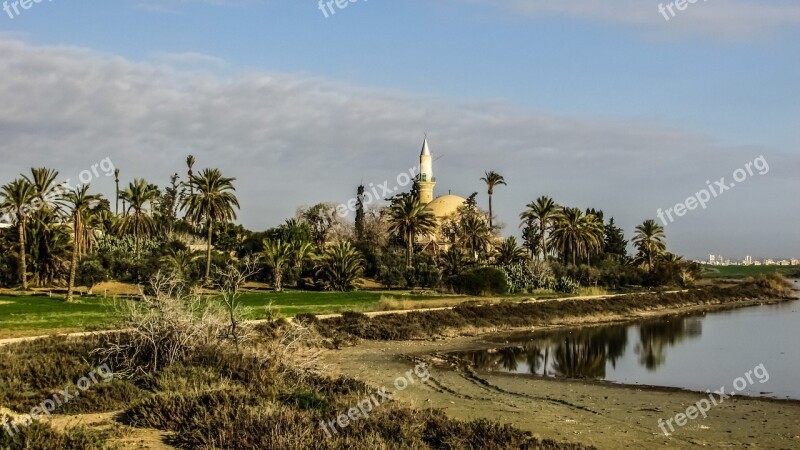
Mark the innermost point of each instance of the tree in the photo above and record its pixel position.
(116, 183)
(137, 221)
(650, 241)
(492, 180)
(321, 218)
(360, 213)
(46, 191)
(190, 164)
(541, 214)
(277, 254)
(90, 272)
(509, 252)
(576, 235)
(614, 242)
(408, 219)
(79, 201)
(340, 266)
(179, 262)
(212, 201)
(229, 281)
(473, 233)
(16, 197)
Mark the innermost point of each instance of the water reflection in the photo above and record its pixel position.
(586, 353)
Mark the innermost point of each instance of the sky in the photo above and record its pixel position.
(603, 104)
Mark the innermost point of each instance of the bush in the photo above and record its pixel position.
(483, 281)
(566, 285)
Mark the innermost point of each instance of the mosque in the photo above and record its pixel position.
(442, 207)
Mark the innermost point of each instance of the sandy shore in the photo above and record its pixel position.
(606, 415)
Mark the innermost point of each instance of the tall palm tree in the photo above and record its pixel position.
(408, 218)
(277, 254)
(79, 201)
(16, 197)
(650, 240)
(575, 235)
(137, 220)
(212, 201)
(46, 190)
(473, 233)
(190, 164)
(116, 182)
(509, 252)
(492, 180)
(541, 214)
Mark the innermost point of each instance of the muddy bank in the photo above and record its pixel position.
(587, 412)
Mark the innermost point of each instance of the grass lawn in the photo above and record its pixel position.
(26, 315)
(36, 315)
(747, 271)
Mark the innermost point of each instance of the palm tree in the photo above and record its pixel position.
(16, 197)
(340, 265)
(45, 188)
(137, 220)
(575, 234)
(277, 253)
(302, 251)
(541, 213)
(116, 182)
(492, 180)
(453, 261)
(212, 201)
(408, 218)
(79, 201)
(509, 252)
(473, 233)
(190, 163)
(650, 240)
(180, 263)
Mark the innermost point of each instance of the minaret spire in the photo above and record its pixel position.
(426, 180)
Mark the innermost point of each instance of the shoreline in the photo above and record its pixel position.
(591, 412)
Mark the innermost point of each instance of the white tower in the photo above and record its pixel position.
(426, 180)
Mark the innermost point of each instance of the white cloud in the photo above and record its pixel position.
(293, 140)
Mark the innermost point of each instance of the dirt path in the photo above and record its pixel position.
(602, 414)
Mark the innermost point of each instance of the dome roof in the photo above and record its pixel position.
(445, 205)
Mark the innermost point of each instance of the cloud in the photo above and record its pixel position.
(293, 140)
(725, 19)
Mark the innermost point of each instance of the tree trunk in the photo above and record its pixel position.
(278, 278)
(23, 265)
(208, 254)
(75, 250)
(490, 212)
(409, 249)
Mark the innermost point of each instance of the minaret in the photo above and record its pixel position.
(426, 180)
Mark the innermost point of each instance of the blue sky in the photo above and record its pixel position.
(574, 99)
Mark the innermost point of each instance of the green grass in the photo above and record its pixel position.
(292, 303)
(21, 314)
(36, 315)
(748, 271)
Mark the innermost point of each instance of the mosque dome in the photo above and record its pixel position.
(445, 205)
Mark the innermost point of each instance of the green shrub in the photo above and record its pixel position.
(483, 281)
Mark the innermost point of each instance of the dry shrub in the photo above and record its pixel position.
(163, 328)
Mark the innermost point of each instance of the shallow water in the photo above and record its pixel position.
(703, 351)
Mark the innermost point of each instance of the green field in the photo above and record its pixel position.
(748, 271)
(35, 315)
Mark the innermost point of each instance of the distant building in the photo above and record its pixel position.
(748, 260)
(769, 262)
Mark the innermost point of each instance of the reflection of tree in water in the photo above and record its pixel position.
(656, 336)
(577, 354)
